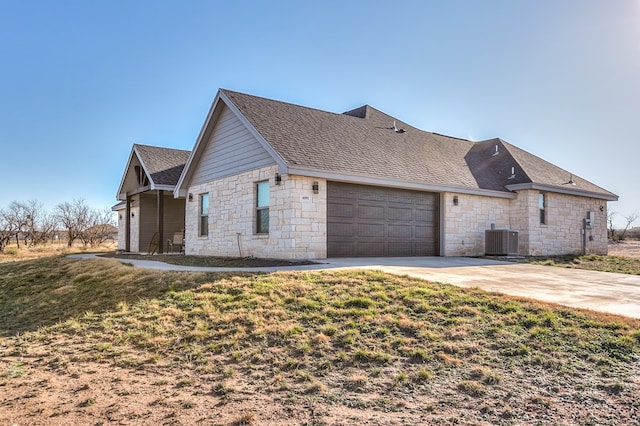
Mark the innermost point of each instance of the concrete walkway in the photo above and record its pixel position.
(600, 291)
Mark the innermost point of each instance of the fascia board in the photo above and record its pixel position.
(568, 191)
(372, 180)
(195, 152)
(119, 194)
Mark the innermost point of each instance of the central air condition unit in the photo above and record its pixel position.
(500, 242)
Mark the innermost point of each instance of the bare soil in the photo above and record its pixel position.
(55, 390)
(627, 248)
(75, 375)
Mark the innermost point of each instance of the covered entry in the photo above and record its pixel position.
(378, 221)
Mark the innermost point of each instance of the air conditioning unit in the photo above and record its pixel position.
(500, 242)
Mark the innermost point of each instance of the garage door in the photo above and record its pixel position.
(376, 221)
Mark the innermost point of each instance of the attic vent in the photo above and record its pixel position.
(570, 181)
(495, 153)
(513, 173)
(395, 129)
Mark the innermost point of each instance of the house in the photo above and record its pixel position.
(272, 179)
(148, 214)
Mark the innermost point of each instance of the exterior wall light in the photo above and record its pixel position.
(455, 200)
(278, 179)
(190, 197)
(315, 187)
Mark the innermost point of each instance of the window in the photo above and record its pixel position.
(204, 215)
(262, 207)
(542, 205)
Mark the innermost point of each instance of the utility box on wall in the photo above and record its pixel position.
(500, 242)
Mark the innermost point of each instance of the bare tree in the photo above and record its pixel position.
(100, 227)
(33, 215)
(611, 215)
(73, 216)
(9, 228)
(630, 219)
(17, 215)
(90, 226)
(48, 224)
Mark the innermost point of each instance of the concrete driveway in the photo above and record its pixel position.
(600, 291)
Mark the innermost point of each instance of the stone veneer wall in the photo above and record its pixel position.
(297, 218)
(562, 234)
(464, 224)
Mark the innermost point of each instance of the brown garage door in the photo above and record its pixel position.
(376, 221)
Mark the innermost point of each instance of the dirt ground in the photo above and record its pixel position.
(61, 391)
(625, 249)
(47, 387)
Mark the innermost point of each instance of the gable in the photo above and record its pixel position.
(150, 168)
(231, 149)
(134, 177)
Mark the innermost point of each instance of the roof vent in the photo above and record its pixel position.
(570, 181)
(495, 153)
(513, 173)
(395, 129)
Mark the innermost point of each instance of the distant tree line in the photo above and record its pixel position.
(30, 223)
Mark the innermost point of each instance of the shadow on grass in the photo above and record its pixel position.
(43, 292)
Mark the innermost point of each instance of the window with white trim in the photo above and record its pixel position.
(262, 207)
(542, 205)
(203, 223)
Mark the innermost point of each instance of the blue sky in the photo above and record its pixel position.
(81, 81)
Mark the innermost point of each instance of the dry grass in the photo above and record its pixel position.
(13, 253)
(82, 340)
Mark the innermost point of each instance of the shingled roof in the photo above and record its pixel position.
(164, 165)
(362, 142)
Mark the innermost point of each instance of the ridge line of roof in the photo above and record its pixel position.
(160, 147)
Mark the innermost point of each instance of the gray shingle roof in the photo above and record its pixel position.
(362, 142)
(164, 165)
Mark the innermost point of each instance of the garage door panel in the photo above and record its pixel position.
(397, 213)
(401, 249)
(377, 221)
(401, 199)
(369, 211)
(370, 249)
(370, 195)
(401, 231)
(366, 230)
(340, 210)
(341, 230)
(425, 216)
(341, 249)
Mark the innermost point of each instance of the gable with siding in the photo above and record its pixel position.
(231, 149)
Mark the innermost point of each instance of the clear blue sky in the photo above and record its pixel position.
(81, 81)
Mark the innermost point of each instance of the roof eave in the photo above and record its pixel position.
(120, 193)
(560, 190)
(396, 183)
